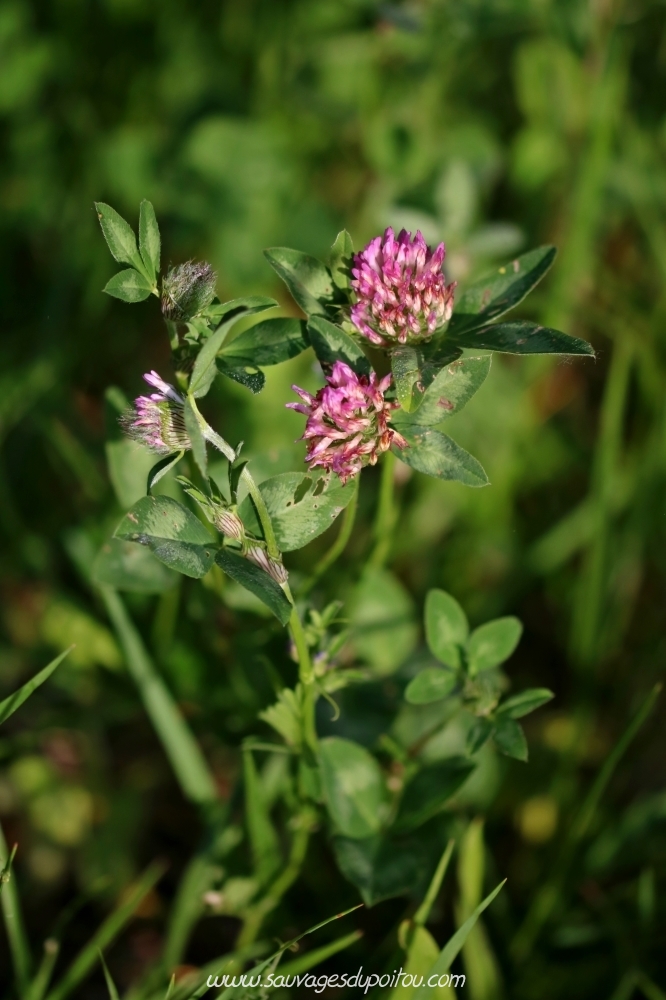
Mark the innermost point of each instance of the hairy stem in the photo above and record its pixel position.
(340, 543)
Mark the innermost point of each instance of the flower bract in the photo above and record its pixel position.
(401, 292)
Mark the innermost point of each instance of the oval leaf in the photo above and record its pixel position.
(258, 582)
(118, 234)
(308, 280)
(331, 344)
(436, 455)
(129, 286)
(429, 791)
(446, 627)
(353, 787)
(431, 684)
(268, 343)
(149, 238)
(525, 702)
(521, 337)
(493, 643)
(510, 738)
(449, 392)
(171, 532)
(500, 291)
(127, 566)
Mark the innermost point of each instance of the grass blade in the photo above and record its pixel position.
(110, 985)
(319, 955)
(42, 978)
(13, 919)
(188, 762)
(453, 946)
(9, 705)
(107, 933)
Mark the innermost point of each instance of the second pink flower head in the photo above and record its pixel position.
(347, 426)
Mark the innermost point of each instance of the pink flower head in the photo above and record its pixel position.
(401, 292)
(347, 426)
(158, 421)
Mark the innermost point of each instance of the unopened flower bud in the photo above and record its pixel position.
(187, 289)
(228, 524)
(260, 558)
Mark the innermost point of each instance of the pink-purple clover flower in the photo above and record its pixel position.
(401, 292)
(347, 426)
(158, 420)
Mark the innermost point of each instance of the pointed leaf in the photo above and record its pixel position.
(510, 738)
(217, 311)
(429, 791)
(308, 280)
(446, 627)
(448, 393)
(110, 985)
(521, 337)
(129, 286)
(525, 702)
(493, 643)
(149, 238)
(301, 507)
(160, 469)
(14, 701)
(353, 787)
(269, 342)
(194, 433)
(119, 235)
(431, 684)
(330, 343)
(173, 534)
(252, 378)
(205, 370)
(437, 455)
(490, 298)
(254, 579)
(453, 947)
(478, 734)
(342, 253)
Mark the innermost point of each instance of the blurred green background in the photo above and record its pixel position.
(495, 125)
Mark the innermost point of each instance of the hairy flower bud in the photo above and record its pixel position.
(158, 420)
(347, 426)
(187, 289)
(260, 558)
(401, 293)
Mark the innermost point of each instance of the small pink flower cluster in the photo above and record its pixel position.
(158, 421)
(401, 293)
(347, 426)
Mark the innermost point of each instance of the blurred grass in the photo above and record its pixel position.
(494, 124)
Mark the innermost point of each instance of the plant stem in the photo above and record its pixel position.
(11, 911)
(386, 516)
(340, 543)
(262, 511)
(305, 674)
(257, 913)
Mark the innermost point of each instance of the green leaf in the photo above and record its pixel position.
(431, 684)
(301, 507)
(510, 738)
(385, 866)
(129, 464)
(448, 393)
(161, 468)
(490, 298)
(14, 701)
(205, 370)
(268, 343)
(422, 952)
(342, 253)
(258, 582)
(429, 791)
(405, 365)
(384, 630)
(330, 343)
(522, 337)
(493, 643)
(353, 787)
(437, 455)
(119, 236)
(308, 280)
(452, 948)
(252, 378)
(478, 734)
(127, 566)
(263, 837)
(246, 304)
(195, 434)
(525, 702)
(149, 239)
(110, 985)
(286, 716)
(171, 532)
(446, 627)
(128, 285)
